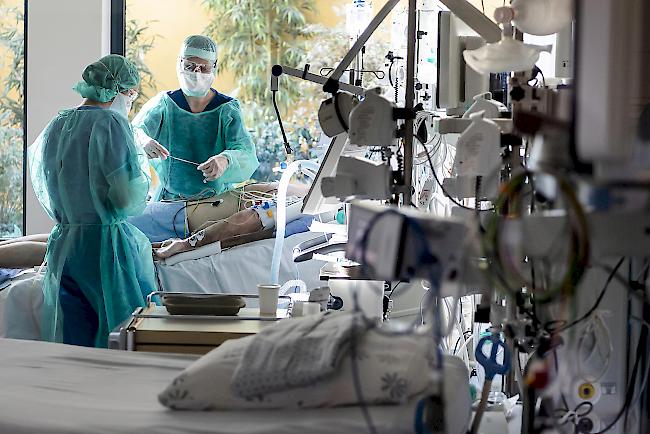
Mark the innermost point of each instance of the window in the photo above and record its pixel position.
(289, 32)
(12, 156)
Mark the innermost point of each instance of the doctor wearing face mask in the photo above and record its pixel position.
(195, 136)
(86, 172)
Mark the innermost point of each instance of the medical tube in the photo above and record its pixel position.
(290, 284)
(282, 213)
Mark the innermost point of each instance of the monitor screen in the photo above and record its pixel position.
(314, 202)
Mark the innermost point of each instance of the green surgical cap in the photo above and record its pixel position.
(102, 80)
(199, 46)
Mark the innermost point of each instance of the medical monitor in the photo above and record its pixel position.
(314, 202)
(457, 83)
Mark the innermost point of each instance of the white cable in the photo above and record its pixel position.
(452, 316)
(465, 343)
(596, 320)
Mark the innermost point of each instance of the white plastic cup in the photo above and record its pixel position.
(268, 294)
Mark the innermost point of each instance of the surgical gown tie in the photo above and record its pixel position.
(88, 176)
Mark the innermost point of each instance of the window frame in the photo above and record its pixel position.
(118, 27)
(117, 46)
(25, 20)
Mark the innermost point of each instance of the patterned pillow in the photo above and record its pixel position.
(392, 370)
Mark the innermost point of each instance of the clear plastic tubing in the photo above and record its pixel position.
(281, 213)
(290, 284)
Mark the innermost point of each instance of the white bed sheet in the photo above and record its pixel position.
(239, 269)
(236, 270)
(54, 389)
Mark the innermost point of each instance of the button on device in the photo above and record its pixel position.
(586, 391)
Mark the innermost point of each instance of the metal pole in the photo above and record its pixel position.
(409, 101)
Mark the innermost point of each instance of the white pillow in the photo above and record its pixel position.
(392, 370)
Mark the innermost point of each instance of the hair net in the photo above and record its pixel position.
(199, 46)
(102, 80)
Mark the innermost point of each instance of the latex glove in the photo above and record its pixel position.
(153, 149)
(214, 167)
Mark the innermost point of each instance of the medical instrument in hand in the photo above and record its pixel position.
(205, 181)
(492, 367)
(185, 161)
(151, 147)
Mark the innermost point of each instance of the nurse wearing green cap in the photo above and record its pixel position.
(195, 136)
(86, 172)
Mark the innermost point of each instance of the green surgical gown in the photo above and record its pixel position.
(196, 137)
(87, 173)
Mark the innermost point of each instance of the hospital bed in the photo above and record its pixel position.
(239, 269)
(55, 389)
(235, 270)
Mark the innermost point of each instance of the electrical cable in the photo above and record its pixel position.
(206, 193)
(509, 200)
(453, 315)
(174, 221)
(644, 382)
(287, 147)
(629, 394)
(594, 307)
(337, 110)
(590, 328)
(461, 338)
(394, 288)
(465, 343)
(435, 176)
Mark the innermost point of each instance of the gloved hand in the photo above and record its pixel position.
(214, 167)
(153, 149)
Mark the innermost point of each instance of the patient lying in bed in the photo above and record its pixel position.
(259, 219)
(227, 214)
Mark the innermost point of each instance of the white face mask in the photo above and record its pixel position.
(195, 83)
(121, 104)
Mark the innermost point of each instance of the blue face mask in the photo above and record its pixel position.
(121, 104)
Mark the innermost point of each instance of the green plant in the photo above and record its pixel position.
(138, 44)
(325, 50)
(11, 120)
(12, 103)
(253, 35)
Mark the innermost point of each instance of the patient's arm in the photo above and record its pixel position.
(22, 254)
(240, 223)
(210, 230)
(41, 238)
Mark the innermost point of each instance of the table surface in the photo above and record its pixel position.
(184, 331)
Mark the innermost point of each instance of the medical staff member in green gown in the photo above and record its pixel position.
(87, 173)
(195, 136)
